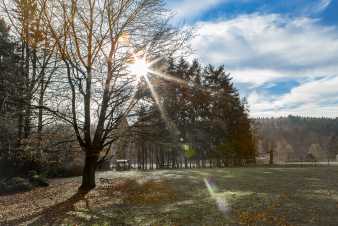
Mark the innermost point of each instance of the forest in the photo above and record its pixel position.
(298, 138)
(69, 93)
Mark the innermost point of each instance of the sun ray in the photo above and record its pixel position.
(168, 77)
(141, 68)
(169, 123)
(156, 98)
(177, 80)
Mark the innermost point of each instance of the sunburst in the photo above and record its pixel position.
(142, 68)
(139, 67)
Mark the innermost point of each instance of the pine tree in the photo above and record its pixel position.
(203, 108)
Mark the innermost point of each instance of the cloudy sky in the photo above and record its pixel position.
(283, 55)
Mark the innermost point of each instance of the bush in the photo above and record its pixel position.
(32, 173)
(63, 171)
(39, 181)
(7, 168)
(19, 184)
(15, 184)
(19, 162)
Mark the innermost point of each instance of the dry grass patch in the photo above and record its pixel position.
(136, 192)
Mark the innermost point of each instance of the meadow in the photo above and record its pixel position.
(232, 196)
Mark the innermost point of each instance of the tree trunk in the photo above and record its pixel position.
(20, 125)
(271, 157)
(88, 175)
(41, 101)
(28, 93)
(27, 118)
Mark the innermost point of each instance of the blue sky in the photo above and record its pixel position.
(283, 55)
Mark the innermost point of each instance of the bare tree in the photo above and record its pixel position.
(37, 56)
(96, 40)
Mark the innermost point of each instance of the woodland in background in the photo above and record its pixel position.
(296, 138)
(196, 120)
(30, 138)
(201, 120)
(93, 43)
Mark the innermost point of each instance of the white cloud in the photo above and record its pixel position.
(268, 44)
(317, 7)
(323, 4)
(256, 77)
(264, 49)
(318, 91)
(304, 110)
(189, 9)
(315, 98)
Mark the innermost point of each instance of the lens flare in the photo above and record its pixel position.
(139, 68)
(168, 77)
(221, 202)
(157, 99)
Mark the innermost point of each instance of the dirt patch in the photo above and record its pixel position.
(134, 192)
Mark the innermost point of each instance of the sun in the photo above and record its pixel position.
(139, 67)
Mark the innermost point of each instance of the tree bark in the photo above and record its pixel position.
(27, 117)
(28, 93)
(88, 175)
(41, 101)
(271, 157)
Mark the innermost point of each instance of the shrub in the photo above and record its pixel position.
(39, 181)
(15, 184)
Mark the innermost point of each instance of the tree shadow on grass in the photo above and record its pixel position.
(53, 215)
(108, 204)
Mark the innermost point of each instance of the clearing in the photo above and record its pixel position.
(232, 196)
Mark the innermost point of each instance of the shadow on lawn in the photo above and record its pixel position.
(108, 204)
(56, 215)
(52, 215)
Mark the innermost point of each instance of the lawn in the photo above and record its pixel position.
(233, 196)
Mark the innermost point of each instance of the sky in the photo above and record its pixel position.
(282, 54)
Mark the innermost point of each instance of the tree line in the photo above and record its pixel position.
(198, 120)
(296, 138)
(65, 79)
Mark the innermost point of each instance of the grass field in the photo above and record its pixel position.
(233, 196)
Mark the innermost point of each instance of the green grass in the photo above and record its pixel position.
(240, 196)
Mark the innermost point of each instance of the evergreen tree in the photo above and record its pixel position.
(203, 112)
